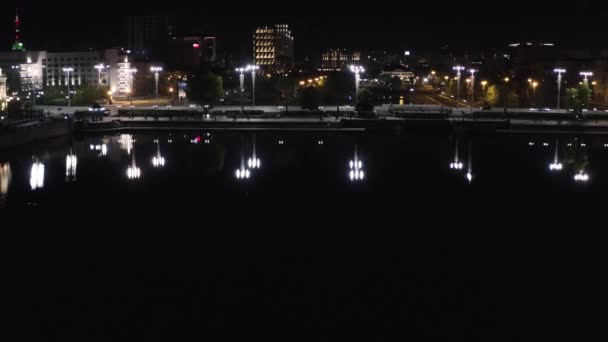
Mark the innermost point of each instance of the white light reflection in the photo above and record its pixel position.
(5, 179)
(456, 164)
(254, 162)
(37, 176)
(469, 174)
(556, 165)
(581, 177)
(71, 161)
(356, 168)
(133, 172)
(126, 142)
(158, 160)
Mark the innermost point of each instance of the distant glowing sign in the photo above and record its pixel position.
(196, 45)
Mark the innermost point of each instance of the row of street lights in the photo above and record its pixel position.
(559, 71)
(241, 71)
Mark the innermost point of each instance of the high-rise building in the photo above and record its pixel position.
(148, 37)
(17, 45)
(209, 50)
(273, 48)
(339, 59)
(3, 91)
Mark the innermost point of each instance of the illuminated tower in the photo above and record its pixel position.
(17, 45)
(2, 90)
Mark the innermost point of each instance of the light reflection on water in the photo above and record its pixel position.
(311, 160)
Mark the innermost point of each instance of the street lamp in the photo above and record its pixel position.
(357, 70)
(586, 75)
(68, 71)
(472, 85)
(533, 84)
(241, 72)
(99, 68)
(253, 69)
(559, 73)
(459, 70)
(156, 70)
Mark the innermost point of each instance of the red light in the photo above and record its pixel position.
(196, 45)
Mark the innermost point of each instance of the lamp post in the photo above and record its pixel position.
(559, 73)
(472, 71)
(253, 69)
(241, 72)
(156, 70)
(99, 67)
(68, 71)
(586, 75)
(357, 70)
(458, 69)
(506, 80)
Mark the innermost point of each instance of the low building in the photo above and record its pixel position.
(89, 67)
(339, 59)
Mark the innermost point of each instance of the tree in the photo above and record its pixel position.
(310, 98)
(337, 88)
(89, 94)
(365, 100)
(578, 98)
(396, 85)
(491, 96)
(287, 90)
(205, 88)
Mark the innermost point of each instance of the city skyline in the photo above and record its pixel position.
(415, 29)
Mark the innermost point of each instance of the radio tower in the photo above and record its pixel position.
(17, 45)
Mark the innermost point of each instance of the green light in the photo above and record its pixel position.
(18, 46)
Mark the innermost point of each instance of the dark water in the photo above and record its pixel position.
(294, 168)
(421, 253)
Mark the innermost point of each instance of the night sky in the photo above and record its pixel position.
(318, 25)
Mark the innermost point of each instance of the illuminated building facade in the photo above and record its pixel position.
(3, 90)
(5, 182)
(122, 79)
(273, 48)
(83, 64)
(339, 59)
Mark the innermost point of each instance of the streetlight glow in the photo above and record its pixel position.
(458, 70)
(253, 69)
(357, 70)
(68, 70)
(559, 73)
(586, 75)
(156, 70)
